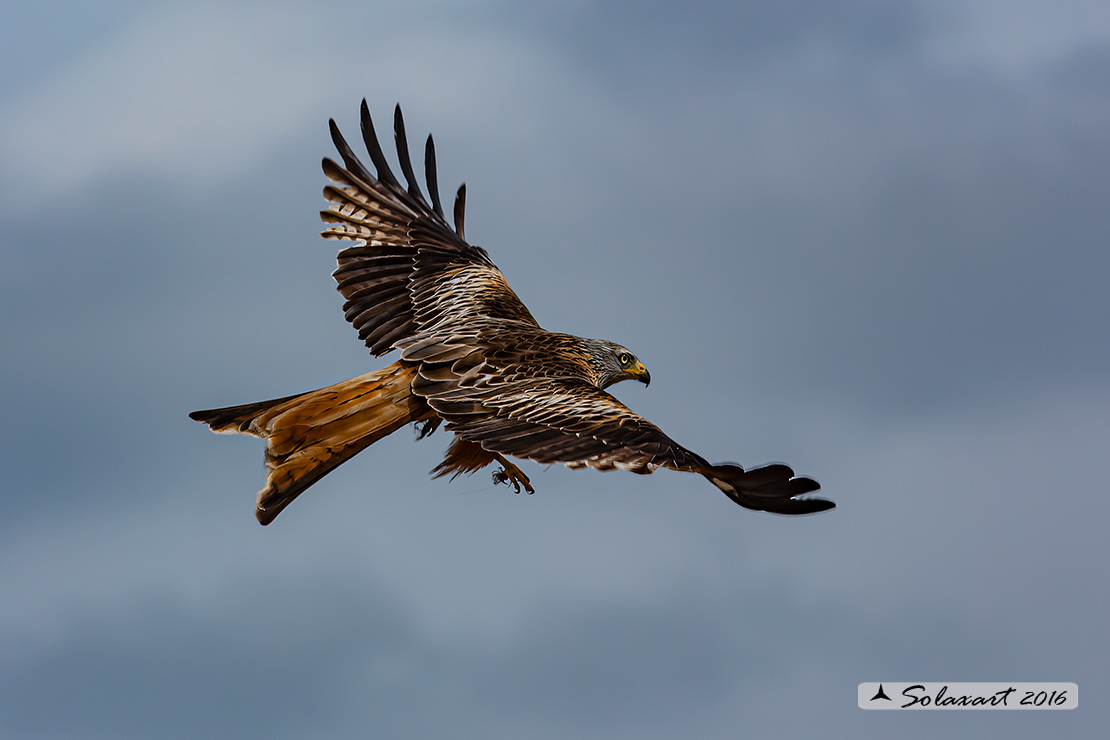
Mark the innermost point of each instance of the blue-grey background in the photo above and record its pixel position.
(865, 238)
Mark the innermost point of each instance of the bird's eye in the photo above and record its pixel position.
(625, 358)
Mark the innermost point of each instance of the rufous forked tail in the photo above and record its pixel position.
(310, 434)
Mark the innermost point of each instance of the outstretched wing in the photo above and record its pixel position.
(567, 420)
(409, 271)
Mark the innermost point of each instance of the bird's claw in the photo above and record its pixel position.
(511, 474)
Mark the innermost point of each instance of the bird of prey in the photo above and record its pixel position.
(471, 356)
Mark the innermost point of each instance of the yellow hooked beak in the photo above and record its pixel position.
(640, 373)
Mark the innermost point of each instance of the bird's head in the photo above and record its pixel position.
(615, 363)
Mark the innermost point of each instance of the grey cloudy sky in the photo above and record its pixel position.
(865, 238)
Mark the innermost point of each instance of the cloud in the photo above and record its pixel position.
(197, 92)
(834, 246)
(1015, 38)
(190, 90)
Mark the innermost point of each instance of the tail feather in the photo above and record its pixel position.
(310, 434)
(772, 488)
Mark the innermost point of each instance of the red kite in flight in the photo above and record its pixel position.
(471, 355)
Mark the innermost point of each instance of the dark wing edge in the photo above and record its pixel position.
(773, 488)
(401, 236)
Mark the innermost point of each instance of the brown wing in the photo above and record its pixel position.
(572, 422)
(496, 401)
(409, 270)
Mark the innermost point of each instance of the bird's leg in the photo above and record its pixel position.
(510, 473)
